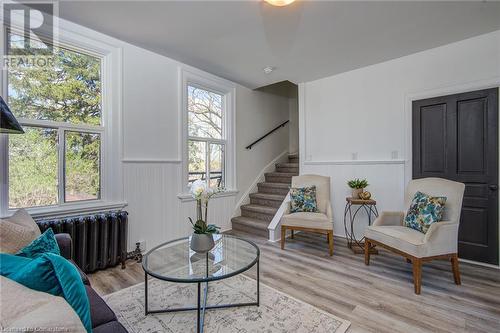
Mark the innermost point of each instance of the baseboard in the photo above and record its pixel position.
(288, 235)
(478, 263)
(245, 198)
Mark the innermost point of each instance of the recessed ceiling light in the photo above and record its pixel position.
(279, 3)
(268, 69)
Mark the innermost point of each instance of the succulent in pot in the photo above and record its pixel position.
(357, 185)
(202, 238)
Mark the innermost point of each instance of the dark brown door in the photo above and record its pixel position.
(456, 137)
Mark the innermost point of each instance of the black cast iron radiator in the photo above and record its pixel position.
(99, 240)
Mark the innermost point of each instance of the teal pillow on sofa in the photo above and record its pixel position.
(50, 273)
(37, 274)
(45, 243)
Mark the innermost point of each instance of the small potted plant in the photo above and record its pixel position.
(202, 238)
(357, 186)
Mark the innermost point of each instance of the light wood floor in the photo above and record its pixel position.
(375, 298)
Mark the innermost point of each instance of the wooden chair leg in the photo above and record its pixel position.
(329, 235)
(417, 274)
(367, 251)
(291, 234)
(454, 267)
(283, 236)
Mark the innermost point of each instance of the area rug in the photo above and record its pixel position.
(277, 313)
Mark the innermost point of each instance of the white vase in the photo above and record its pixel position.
(356, 192)
(201, 243)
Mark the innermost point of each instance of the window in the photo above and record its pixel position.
(58, 159)
(206, 138)
(207, 108)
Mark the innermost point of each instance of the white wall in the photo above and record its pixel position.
(366, 111)
(150, 105)
(152, 168)
(293, 126)
(257, 113)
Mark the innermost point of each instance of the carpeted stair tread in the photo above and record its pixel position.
(273, 188)
(268, 196)
(293, 158)
(250, 225)
(250, 221)
(276, 185)
(267, 199)
(260, 209)
(281, 174)
(287, 165)
(280, 177)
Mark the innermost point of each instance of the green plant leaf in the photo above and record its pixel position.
(357, 183)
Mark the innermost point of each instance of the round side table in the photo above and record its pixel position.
(370, 207)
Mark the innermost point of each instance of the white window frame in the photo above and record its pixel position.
(199, 79)
(82, 40)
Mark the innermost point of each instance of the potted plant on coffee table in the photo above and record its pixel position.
(202, 238)
(358, 186)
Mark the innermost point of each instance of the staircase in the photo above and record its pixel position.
(256, 216)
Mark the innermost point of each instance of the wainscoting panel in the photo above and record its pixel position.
(386, 185)
(156, 214)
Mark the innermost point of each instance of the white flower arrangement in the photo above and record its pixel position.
(198, 189)
(202, 193)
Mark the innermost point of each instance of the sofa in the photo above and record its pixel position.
(103, 318)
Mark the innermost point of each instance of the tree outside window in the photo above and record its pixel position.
(206, 137)
(58, 159)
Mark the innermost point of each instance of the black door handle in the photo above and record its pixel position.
(493, 187)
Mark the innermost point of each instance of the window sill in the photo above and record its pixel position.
(186, 197)
(72, 209)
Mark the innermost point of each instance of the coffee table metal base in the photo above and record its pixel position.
(201, 306)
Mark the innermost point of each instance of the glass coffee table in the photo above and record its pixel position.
(174, 261)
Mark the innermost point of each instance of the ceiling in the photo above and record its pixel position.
(304, 41)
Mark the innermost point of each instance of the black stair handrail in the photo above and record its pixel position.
(267, 134)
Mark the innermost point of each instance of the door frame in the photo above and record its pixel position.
(436, 92)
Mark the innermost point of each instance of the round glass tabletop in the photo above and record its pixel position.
(175, 261)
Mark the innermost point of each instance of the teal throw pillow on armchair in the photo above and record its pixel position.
(303, 199)
(424, 211)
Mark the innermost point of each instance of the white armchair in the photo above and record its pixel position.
(320, 222)
(440, 241)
